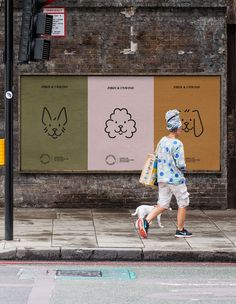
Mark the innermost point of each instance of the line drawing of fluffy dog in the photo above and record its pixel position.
(143, 210)
(120, 123)
(192, 121)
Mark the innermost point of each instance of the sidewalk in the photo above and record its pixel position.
(106, 234)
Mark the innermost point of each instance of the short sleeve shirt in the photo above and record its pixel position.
(170, 161)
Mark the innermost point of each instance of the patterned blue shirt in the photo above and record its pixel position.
(170, 161)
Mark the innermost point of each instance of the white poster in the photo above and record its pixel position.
(120, 122)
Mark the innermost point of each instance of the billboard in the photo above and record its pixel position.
(72, 123)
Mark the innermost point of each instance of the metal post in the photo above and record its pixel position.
(9, 119)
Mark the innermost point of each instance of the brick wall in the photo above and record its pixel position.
(96, 33)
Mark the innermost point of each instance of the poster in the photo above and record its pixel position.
(198, 100)
(53, 123)
(72, 123)
(120, 125)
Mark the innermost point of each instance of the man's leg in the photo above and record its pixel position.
(182, 197)
(181, 232)
(181, 215)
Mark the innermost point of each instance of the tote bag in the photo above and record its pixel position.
(148, 176)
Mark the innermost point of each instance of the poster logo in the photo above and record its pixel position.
(120, 124)
(45, 158)
(54, 126)
(192, 122)
(110, 160)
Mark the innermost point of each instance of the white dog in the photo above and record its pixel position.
(143, 210)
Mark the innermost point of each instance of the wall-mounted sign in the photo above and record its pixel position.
(54, 123)
(120, 122)
(198, 99)
(59, 20)
(73, 123)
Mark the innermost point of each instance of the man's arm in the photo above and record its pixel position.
(179, 157)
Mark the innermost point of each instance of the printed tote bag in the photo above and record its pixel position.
(149, 173)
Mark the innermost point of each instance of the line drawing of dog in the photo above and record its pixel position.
(143, 210)
(120, 123)
(192, 121)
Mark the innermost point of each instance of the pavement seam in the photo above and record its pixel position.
(94, 227)
(225, 235)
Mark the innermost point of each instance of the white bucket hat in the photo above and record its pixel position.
(173, 120)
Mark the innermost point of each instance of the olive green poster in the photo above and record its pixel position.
(53, 123)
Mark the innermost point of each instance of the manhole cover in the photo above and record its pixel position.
(79, 273)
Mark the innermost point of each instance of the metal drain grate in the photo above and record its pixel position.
(79, 273)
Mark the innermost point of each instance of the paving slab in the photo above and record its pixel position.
(2, 232)
(232, 237)
(220, 214)
(227, 226)
(76, 241)
(28, 242)
(191, 215)
(167, 246)
(37, 223)
(72, 225)
(75, 216)
(109, 210)
(119, 243)
(35, 213)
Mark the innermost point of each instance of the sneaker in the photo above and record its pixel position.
(143, 226)
(183, 233)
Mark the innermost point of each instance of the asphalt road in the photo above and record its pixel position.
(95, 283)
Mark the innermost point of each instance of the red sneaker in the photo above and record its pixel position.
(143, 226)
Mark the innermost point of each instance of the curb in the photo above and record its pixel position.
(115, 254)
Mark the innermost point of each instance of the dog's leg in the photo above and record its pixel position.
(159, 221)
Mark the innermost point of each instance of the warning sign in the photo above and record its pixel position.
(59, 20)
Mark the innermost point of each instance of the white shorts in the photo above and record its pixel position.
(167, 190)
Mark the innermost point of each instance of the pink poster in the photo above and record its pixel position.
(120, 122)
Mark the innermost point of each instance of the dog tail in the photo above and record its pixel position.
(135, 213)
